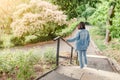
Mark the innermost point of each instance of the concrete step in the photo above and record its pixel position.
(56, 76)
(100, 63)
(94, 61)
(99, 68)
(87, 73)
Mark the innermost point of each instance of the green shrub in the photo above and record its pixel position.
(19, 64)
(25, 67)
(99, 30)
(1, 43)
(88, 12)
(100, 44)
(99, 18)
(17, 41)
(98, 38)
(6, 41)
(68, 30)
(115, 28)
(30, 39)
(50, 56)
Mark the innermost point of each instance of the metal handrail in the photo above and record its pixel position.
(57, 56)
(63, 40)
(58, 47)
(67, 43)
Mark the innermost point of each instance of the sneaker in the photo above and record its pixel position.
(85, 66)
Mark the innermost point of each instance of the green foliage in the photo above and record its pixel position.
(80, 9)
(1, 42)
(99, 40)
(68, 30)
(19, 65)
(115, 28)
(6, 41)
(30, 39)
(100, 17)
(67, 6)
(88, 12)
(74, 8)
(50, 56)
(100, 44)
(25, 70)
(17, 41)
(99, 30)
(115, 46)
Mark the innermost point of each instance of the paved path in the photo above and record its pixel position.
(99, 68)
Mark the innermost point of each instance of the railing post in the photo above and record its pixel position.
(71, 55)
(77, 62)
(57, 55)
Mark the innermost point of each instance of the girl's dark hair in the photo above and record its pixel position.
(81, 25)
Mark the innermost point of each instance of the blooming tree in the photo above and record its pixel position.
(37, 16)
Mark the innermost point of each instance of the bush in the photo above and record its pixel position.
(50, 56)
(68, 30)
(1, 43)
(31, 39)
(35, 39)
(19, 65)
(88, 12)
(37, 16)
(98, 38)
(18, 41)
(115, 28)
(99, 17)
(6, 41)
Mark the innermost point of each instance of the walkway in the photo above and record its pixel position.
(99, 67)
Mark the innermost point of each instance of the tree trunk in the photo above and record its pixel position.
(109, 23)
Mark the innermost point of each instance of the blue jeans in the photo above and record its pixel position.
(82, 58)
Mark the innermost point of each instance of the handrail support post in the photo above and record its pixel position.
(71, 55)
(57, 55)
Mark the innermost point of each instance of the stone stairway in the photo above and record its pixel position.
(87, 73)
(99, 68)
(54, 75)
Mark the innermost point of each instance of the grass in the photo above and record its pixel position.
(22, 65)
(111, 50)
(99, 40)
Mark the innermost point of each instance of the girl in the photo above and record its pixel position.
(82, 39)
